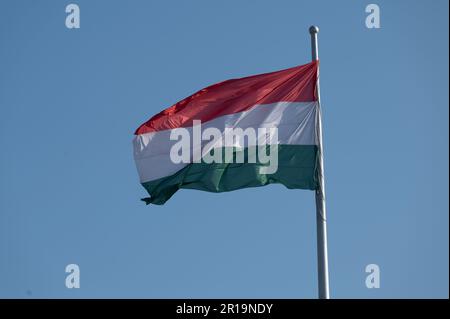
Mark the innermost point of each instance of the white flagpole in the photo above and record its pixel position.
(321, 215)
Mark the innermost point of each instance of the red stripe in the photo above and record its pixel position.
(296, 84)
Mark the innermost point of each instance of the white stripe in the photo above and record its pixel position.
(295, 122)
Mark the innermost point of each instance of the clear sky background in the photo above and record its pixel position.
(70, 101)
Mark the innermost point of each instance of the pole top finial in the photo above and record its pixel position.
(313, 29)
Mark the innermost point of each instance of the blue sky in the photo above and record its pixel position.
(69, 192)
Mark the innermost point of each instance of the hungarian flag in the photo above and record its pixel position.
(239, 133)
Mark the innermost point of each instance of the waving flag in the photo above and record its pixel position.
(239, 133)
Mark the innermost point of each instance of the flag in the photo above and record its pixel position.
(239, 133)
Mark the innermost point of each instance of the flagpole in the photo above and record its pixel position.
(321, 216)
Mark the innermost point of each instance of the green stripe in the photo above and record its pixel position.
(297, 168)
